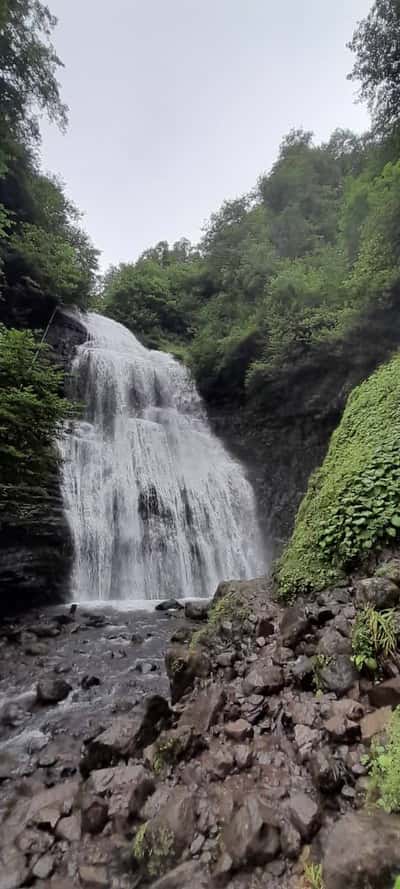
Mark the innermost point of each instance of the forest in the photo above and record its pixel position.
(285, 278)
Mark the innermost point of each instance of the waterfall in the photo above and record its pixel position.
(156, 505)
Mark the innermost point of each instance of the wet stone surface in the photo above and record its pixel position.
(99, 654)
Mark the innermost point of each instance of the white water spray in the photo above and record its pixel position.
(156, 505)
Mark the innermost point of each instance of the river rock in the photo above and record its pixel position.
(51, 690)
(90, 682)
(169, 605)
(197, 610)
(363, 850)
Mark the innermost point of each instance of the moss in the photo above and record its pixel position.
(167, 752)
(228, 608)
(352, 505)
(154, 849)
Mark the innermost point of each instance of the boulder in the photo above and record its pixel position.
(125, 787)
(305, 814)
(94, 814)
(390, 570)
(183, 665)
(294, 624)
(342, 729)
(385, 694)
(238, 730)
(332, 643)
(363, 850)
(90, 682)
(51, 690)
(197, 610)
(188, 874)
(375, 723)
(252, 836)
(339, 674)
(377, 591)
(160, 842)
(265, 678)
(126, 736)
(13, 868)
(169, 605)
(203, 711)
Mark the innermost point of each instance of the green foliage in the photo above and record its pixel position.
(320, 661)
(397, 883)
(376, 43)
(374, 636)
(154, 849)
(384, 768)
(31, 413)
(353, 501)
(313, 878)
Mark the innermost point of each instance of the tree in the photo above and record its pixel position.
(31, 410)
(376, 44)
(28, 69)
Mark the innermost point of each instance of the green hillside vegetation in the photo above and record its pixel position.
(352, 505)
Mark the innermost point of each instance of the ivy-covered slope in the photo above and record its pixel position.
(352, 506)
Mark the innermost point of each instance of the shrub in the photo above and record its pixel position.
(384, 767)
(374, 635)
(352, 505)
(313, 878)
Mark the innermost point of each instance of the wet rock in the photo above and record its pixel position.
(377, 591)
(363, 850)
(265, 678)
(390, 570)
(375, 723)
(339, 674)
(52, 690)
(182, 635)
(203, 711)
(197, 610)
(94, 620)
(238, 730)
(294, 624)
(265, 627)
(36, 649)
(305, 814)
(45, 631)
(385, 694)
(145, 667)
(90, 682)
(252, 835)
(126, 736)
(169, 605)
(137, 638)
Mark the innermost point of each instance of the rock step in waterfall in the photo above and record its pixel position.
(156, 505)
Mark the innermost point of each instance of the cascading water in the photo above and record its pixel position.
(156, 505)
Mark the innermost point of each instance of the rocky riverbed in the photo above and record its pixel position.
(250, 768)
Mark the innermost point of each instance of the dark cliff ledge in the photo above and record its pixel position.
(35, 541)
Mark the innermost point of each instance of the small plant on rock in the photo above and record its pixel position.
(384, 766)
(374, 636)
(313, 878)
(320, 661)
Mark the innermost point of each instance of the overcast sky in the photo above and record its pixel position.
(176, 105)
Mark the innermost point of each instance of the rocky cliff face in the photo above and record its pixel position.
(284, 437)
(36, 551)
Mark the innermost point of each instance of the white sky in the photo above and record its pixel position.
(176, 105)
